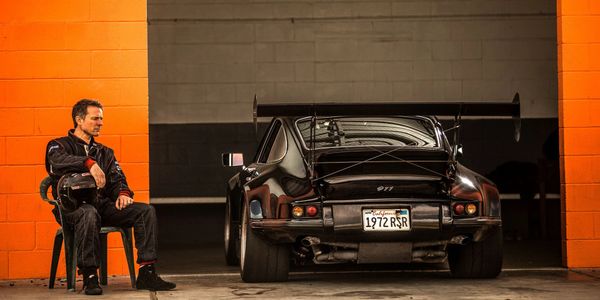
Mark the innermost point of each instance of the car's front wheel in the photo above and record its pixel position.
(261, 261)
(481, 259)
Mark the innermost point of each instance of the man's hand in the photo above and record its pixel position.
(123, 201)
(98, 175)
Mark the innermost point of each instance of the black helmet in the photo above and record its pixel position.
(74, 189)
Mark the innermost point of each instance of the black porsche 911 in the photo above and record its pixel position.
(362, 183)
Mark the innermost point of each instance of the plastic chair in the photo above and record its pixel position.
(68, 234)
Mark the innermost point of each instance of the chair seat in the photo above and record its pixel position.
(108, 229)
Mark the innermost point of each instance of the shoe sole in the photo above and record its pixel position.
(155, 290)
(93, 293)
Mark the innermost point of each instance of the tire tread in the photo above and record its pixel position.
(264, 261)
(478, 259)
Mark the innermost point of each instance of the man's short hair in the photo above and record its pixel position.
(80, 109)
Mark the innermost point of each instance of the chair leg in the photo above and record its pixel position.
(58, 240)
(104, 259)
(70, 258)
(126, 236)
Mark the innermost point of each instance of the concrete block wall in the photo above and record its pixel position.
(579, 106)
(52, 54)
(207, 59)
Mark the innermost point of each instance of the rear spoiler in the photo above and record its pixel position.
(455, 109)
(388, 109)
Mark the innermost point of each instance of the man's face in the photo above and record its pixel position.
(92, 123)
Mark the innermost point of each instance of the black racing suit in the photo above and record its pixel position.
(71, 154)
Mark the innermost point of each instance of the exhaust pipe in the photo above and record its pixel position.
(313, 242)
(333, 256)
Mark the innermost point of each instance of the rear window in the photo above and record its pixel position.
(361, 131)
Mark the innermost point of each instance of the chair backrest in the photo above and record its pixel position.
(44, 187)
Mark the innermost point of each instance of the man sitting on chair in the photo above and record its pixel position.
(78, 152)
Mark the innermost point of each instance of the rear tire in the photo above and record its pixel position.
(481, 259)
(260, 260)
(231, 237)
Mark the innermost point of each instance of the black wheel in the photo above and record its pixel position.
(261, 261)
(231, 237)
(481, 259)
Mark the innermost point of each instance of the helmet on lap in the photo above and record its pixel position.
(75, 189)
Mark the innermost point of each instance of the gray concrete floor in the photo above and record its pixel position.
(511, 284)
(201, 273)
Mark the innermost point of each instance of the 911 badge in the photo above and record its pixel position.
(382, 188)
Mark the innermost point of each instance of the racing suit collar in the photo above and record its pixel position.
(79, 140)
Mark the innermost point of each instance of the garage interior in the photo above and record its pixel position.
(208, 59)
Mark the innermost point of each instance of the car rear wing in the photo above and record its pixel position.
(455, 109)
(388, 109)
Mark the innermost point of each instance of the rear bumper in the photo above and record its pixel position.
(343, 223)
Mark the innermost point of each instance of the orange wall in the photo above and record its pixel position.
(579, 116)
(53, 53)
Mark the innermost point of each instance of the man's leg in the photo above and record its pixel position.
(86, 223)
(142, 218)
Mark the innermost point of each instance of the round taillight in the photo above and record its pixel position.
(298, 211)
(459, 209)
(311, 211)
(471, 209)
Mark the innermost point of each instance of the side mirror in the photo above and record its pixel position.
(233, 159)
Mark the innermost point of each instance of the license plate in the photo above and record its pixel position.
(386, 219)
